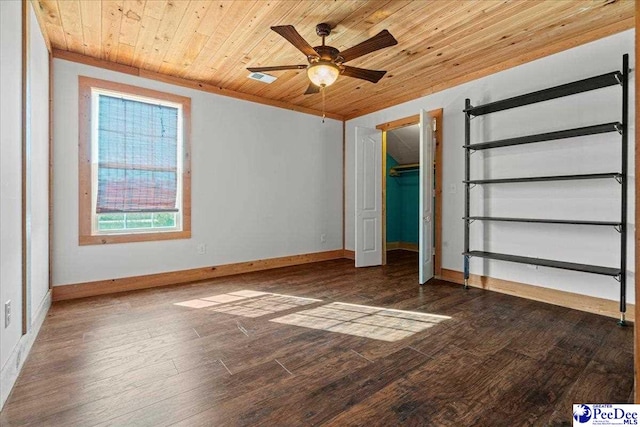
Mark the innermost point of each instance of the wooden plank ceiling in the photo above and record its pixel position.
(440, 43)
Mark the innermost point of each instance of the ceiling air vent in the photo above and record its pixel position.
(262, 77)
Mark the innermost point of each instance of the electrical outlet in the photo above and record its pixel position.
(7, 313)
(323, 238)
(202, 249)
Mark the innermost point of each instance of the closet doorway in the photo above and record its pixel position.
(402, 218)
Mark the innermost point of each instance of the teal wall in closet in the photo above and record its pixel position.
(402, 205)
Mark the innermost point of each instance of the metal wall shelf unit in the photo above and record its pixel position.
(586, 85)
(595, 269)
(550, 136)
(544, 221)
(546, 178)
(614, 78)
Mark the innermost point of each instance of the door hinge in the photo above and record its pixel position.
(435, 124)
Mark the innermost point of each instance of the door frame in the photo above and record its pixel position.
(400, 123)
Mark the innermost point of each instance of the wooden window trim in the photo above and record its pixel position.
(85, 84)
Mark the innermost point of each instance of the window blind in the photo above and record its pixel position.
(137, 156)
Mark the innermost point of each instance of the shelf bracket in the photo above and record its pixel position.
(472, 186)
(618, 277)
(618, 127)
(618, 79)
(618, 228)
(471, 221)
(618, 178)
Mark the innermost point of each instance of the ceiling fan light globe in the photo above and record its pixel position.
(323, 74)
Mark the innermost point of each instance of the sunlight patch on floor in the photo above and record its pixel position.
(378, 323)
(364, 321)
(248, 303)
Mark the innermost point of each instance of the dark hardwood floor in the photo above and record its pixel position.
(138, 359)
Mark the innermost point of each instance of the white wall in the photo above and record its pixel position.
(580, 200)
(38, 192)
(13, 345)
(266, 182)
(10, 174)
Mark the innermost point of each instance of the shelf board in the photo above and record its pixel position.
(562, 134)
(545, 221)
(596, 269)
(545, 178)
(592, 83)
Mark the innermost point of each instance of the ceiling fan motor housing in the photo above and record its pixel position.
(327, 53)
(323, 30)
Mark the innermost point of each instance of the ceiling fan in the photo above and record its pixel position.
(326, 63)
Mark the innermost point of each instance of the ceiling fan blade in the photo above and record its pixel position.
(312, 89)
(293, 37)
(360, 73)
(379, 41)
(276, 68)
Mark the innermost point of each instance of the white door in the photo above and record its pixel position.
(368, 197)
(427, 149)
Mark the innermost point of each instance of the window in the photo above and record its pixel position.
(134, 164)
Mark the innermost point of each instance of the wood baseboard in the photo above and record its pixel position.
(392, 246)
(586, 303)
(405, 246)
(103, 287)
(349, 254)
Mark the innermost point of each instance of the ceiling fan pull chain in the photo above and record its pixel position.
(322, 88)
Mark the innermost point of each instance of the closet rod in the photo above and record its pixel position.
(397, 170)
